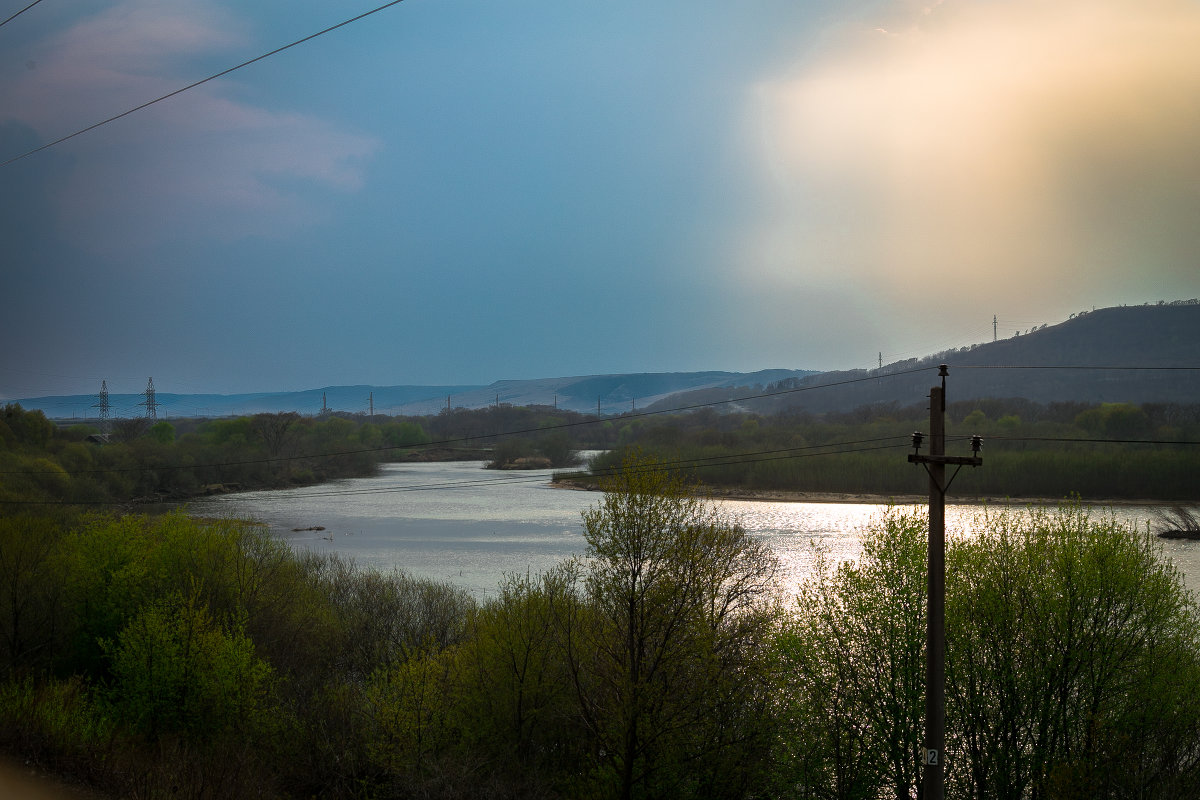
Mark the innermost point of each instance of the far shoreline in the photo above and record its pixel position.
(591, 484)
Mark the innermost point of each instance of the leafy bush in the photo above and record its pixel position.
(1072, 664)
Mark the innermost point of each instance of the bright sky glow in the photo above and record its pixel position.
(462, 191)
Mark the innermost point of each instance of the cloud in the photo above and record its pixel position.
(202, 165)
(1021, 152)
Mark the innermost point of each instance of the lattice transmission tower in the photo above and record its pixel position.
(150, 403)
(103, 406)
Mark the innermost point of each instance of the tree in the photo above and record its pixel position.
(668, 646)
(162, 432)
(276, 430)
(557, 447)
(1072, 665)
(516, 684)
(854, 653)
(129, 429)
(29, 428)
(176, 671)
(30, 593)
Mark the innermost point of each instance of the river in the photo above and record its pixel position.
(456, 522)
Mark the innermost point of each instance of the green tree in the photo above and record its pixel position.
(30, 428)
(516, 683)
(854, 653)
(31, 603)
(668, 647)
(557, 447)
(1072, 665)
(162, 432)
(403, 434)
(176, 671)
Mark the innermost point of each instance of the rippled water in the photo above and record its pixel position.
(460, 523)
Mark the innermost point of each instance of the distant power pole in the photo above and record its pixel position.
(150, 403)
(556, 401)
(324, 405)
(993, 327)
(102, 404)
(597, 405)
(371, 403)
(933, 757)
(881, 359)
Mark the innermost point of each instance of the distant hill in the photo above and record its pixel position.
(611, 393)
(1051, 364)
(355, 399)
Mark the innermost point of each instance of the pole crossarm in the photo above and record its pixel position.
(941, 461)
(962, 461)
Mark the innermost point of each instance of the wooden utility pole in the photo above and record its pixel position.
(933, 754)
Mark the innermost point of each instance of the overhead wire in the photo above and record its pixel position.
(19, 13)
(720, 460)
(484, 436)
(1076, 367)
(750, 457)
(200, 82)
(474, 483)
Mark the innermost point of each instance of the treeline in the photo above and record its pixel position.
(1030, 449)
(863, 451)
(141, 460)
(173, 658)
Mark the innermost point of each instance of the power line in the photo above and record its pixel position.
(482, 436)
(1074, 367)
(200, 82)
(581, 423)
(733, 459)
(1062, 439)
(641, 414)
(19, 13)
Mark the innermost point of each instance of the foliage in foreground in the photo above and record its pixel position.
(169, 657)
(1072, 664)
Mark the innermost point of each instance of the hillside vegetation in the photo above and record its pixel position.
(1071, 362)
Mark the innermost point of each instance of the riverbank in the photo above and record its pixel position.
(21, 780)
(592, 484)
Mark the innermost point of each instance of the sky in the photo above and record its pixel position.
(465, 191)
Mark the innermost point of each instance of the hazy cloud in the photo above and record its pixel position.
(1033, 151)
(204, 164)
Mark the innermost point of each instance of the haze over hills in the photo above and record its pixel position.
(1054, 363)
(613, 394)
(1050, 364)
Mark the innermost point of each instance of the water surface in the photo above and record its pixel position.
(457, 522)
